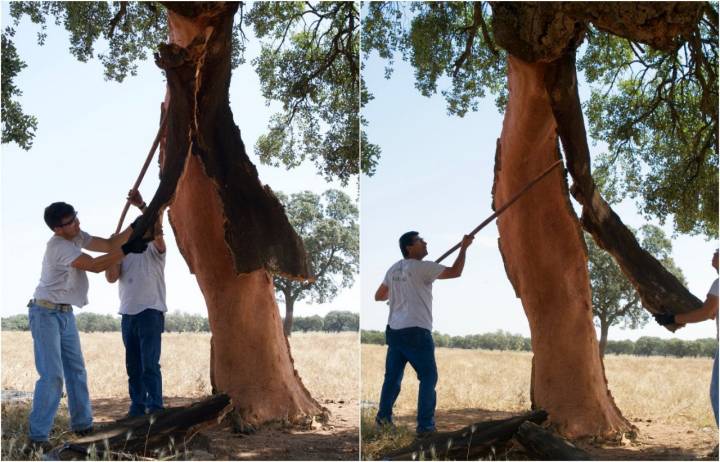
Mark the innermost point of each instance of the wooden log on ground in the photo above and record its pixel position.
(543, 444)
(471, 442)
(146, 436)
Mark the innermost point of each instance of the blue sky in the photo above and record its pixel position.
(435, 176)
(92, 139)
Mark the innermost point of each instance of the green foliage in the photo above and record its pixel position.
(614, 299)
(16, 322)
(505, 341)
(328, 227)
(308, 324)
(309, 63)
(17, 127)
(341, 321)
(658, 114)
(657, 111)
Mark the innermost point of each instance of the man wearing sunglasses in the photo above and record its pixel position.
(408, 286)
(64, 283)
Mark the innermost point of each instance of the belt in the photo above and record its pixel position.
(64, 307)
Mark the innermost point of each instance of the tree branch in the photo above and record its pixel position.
(113, 23)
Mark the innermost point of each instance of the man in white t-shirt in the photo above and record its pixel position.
(709, 310)
(142, 306)
(56, 343)
(408, 286)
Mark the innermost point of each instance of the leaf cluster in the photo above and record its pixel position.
(328, 226)
(309, 63)
(658, 114)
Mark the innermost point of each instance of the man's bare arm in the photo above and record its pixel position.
(382, 293)
(708, 310)
(100, 244)
(112, 274)
(97, 264)
(455, 271)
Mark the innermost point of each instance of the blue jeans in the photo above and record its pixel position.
(141, 337)
(414, 345)
(714, 388)
(57, 355)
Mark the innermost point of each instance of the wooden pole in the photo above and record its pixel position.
(143, 170)
(503, 208)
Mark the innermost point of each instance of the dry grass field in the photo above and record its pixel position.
(327, 363)
(666, 398)
(668, 390)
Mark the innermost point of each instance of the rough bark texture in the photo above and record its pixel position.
(546, 260)
(470, 443)
(148, 436)
(230, 229)
(660, 291)
(543, 444)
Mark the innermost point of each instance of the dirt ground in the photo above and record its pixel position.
(655, 441)
(338, 439)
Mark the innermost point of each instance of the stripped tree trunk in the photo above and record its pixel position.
(546, 261)
(230, 229)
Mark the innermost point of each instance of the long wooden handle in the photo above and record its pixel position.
(150, 155)
(503, 208)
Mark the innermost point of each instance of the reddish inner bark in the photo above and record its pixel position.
(546, 261)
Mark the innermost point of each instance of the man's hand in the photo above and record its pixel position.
(466, 241)
(136, 199)
(664, 319)
(137, 245)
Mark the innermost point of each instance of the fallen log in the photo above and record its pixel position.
(543, 444)
(150, 435)
(471, 442)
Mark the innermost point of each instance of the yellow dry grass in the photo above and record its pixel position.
(326, 362)
(668, 390)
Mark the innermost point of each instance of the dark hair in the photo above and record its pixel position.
(55, 212)
(406, 240)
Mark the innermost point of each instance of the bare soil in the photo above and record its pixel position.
(337, 439)
(654, 440)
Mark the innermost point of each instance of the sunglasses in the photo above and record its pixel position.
(72, 220)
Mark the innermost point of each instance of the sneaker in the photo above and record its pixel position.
(34, 447)
(85, 431)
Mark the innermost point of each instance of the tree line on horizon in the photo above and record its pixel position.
(505, 341)
(333, 321)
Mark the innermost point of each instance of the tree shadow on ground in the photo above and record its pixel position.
(338, 439)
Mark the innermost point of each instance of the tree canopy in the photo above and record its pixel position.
(656, 108)
(614, 299)
(309, 66)
(328, 227)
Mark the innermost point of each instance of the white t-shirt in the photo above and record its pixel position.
(410, 285)
(142, 281)
(60, 282)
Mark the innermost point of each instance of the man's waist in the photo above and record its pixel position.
(63, 307)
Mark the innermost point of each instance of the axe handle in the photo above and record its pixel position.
(503, 207)
(143, 170)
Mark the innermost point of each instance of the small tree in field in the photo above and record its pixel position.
(615, 300)
(328, 227)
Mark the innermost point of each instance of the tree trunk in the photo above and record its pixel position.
(230, 229)
(289, 305)
(604, 327)
(545, 259)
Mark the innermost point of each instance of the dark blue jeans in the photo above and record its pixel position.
(414, 345)
(141, 336)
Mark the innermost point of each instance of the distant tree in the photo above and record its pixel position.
(328, 227)
(340, 321)
(615, 301)
(308, 324)
(374, 337)
(16, 322)
(94, 322)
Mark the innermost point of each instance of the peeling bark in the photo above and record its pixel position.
(545, 258)
(660, 291)
(230, 229)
